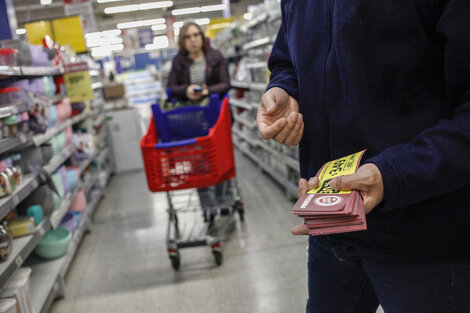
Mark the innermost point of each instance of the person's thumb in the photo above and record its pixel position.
(269, 103)
(347, 182)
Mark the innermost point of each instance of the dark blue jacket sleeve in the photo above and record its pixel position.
(280, 64)
(437, 160)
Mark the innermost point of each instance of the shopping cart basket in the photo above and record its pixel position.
(191, 147)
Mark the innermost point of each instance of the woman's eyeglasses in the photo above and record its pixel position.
(189, 36)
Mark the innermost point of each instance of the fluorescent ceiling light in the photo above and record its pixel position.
(46, 2)
(111, 32)
(202, 21)
(209, 8)
(178, 24)
(138, 7)
(248, 16)
(186, 11)
(194, 10)
(21, 31)
(159, 27)
(107, 1)
(141, 23)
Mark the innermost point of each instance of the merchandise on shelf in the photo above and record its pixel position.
(18, 288)
(8, 57)
(6, 244)
(21, 226)
(54, 243)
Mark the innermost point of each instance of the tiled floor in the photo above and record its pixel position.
(122, 265)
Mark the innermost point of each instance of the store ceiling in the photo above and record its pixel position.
(32, 10)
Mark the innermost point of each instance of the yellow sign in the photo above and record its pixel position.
(78, 82)
(343, 166)
(65, 31)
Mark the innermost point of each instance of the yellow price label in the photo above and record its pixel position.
(343, 166)
(78, 82)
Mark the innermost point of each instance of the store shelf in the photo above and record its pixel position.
(251, 85)
(248, 153)
(115, 105)
(241, 135)
(30, 71)
(254, 65)
(251, 125)
(30, 183)
(93, 204)
(88, 185)
(257, 20)
(257, 43)
(242, 104)
(290, 187)
(9, 144)
(58, 214)
(60, 159)
(80, 117)
(13, 108)
(45, 283)
(22, 248)
(294, 164)
(84, 164)
(51, 132)
(103, 155)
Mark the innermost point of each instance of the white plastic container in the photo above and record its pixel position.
(17, 287)
(8, 306)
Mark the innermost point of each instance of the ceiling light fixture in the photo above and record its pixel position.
(21, 31)
(141, 23)
(248, 16)
(107, 1)
(138, 7)
(203, 21)
(159, 27)
(46, 2)
(210, 8)
(194, 10)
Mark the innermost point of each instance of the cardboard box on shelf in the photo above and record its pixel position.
(114, 91)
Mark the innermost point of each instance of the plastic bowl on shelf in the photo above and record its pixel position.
(69, 221)
(54, 243)
(8, 57)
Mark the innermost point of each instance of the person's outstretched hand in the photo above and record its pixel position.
(367, 180)
(278, 117)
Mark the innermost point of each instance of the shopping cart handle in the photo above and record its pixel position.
(172, 144)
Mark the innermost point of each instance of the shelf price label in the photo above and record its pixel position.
(78, 82)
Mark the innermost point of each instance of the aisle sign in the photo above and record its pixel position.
(84, 8)
(78, 82)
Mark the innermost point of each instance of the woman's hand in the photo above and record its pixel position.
(193, 95)
(278, 117)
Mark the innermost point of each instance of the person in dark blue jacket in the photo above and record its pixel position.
(392, 77)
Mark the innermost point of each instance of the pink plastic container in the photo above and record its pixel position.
(64, 110)
(79, 203)
(8, 57)
(68, 135)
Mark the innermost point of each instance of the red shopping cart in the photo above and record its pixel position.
(191, 147)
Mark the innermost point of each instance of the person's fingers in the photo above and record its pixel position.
(300, 230)
(312, 183)
(287, 130)
(269, 103)
(269, 131)
(348, 182)
(292, 137)
(303, 187)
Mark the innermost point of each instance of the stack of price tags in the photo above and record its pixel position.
(329, 211)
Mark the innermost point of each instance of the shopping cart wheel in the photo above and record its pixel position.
(218, 257)
(175, 261)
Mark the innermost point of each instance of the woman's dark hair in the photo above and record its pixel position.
(184, 30)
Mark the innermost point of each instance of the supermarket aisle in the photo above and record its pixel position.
(122, 265)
